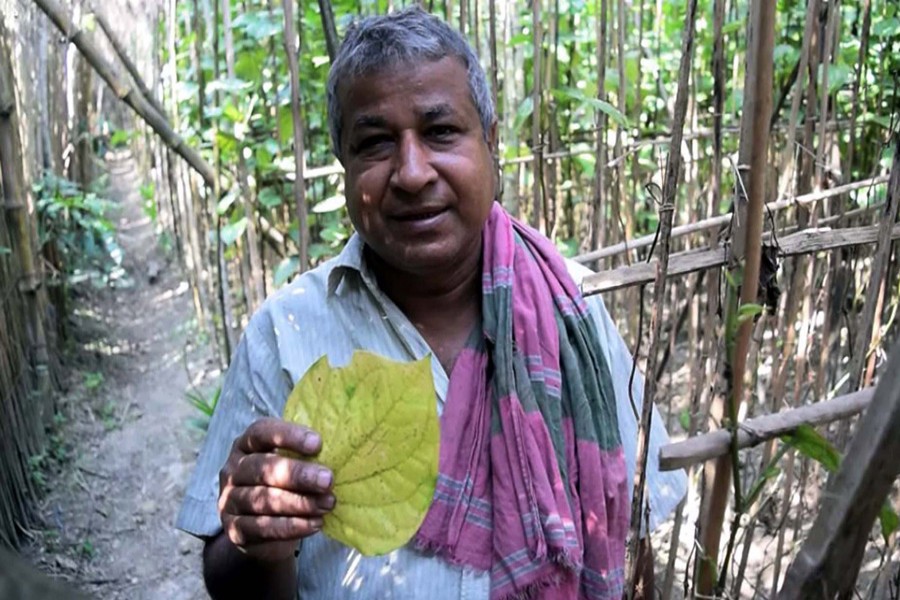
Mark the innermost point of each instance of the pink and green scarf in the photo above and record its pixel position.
(532, 482)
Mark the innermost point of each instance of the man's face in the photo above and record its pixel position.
(419, 174)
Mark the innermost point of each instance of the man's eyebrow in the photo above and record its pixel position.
(364, 121)
(438, 111)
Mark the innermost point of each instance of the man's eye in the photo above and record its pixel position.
(441, 132)
(372, 143)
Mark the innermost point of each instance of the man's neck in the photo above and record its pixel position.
(444, 307)
(430, 295)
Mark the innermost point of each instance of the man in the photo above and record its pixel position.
(531, 381)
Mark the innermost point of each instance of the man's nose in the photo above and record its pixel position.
(412, 167)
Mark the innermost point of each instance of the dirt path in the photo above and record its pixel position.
(126, 448)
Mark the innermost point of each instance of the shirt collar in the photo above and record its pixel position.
(348, 261)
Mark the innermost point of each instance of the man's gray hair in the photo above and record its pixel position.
(401, 38)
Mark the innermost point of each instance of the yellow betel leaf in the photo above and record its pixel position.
(380, 437)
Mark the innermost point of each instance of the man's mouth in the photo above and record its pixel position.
(420, 215)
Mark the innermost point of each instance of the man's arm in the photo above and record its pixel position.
(229, 573)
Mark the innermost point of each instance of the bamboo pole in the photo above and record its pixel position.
(757, 430)
(598, 206)
(127, 62)
(670, 186)
(745, 260)
(828, 564)
(128, 94)
(537, 188)
(879, 270)
(299, 147)
(332, 43)
(807, 241)
(723, 220)
(15, 206)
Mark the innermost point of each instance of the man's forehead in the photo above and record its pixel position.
(425, 113)
(360, 83)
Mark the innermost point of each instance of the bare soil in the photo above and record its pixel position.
(123, 450)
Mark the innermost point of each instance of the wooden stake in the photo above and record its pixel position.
(828, 563)
(723, 220)
(757, 430)
(745, 257)
(670, 185)
(803, 242)
(296, 110)
(129, 64)
(125, 92)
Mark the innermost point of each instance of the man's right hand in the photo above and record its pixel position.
(268, 502)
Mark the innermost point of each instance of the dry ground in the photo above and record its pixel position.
(125, 445)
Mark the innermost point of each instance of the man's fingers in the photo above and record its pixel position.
(249, 530)
(276, 471)
(267, 435)
(261, 500)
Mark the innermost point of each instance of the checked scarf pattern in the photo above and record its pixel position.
(532, 478)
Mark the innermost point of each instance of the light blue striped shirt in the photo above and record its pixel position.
(333, 310)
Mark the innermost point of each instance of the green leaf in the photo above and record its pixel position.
(606, 108)
(285, 270)
(734, 26)
(227, 200)
(233, 231)
(231, 113)
(330, 204)
(812, 444)
(838, 75)
(227, 143)
(4, 250)
(524, 111)
(887, 28)
(258, 25)
(270, 198)
(228, 85)
(684, 419)
(119, 138)
(889, 521)
(380, 437)
(748, 312)
(248, 65)
(285, 126)
(317, 251)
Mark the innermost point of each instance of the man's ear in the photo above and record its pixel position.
(492, 140)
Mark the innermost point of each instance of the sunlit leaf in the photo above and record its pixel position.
(332, 204)
(596, 103)
(229, 85)
(812, 444)
(889, 521)
(524, 111)
(734, 26)
(259, 25)
(286, 269)
(270, 198)
(233, 231)
(886, 28)
(285, 126)
(380, 438)
(748, 312)
(684, 419)
(227, 200)
(248, 64)
(231, 113)
(227, 143)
